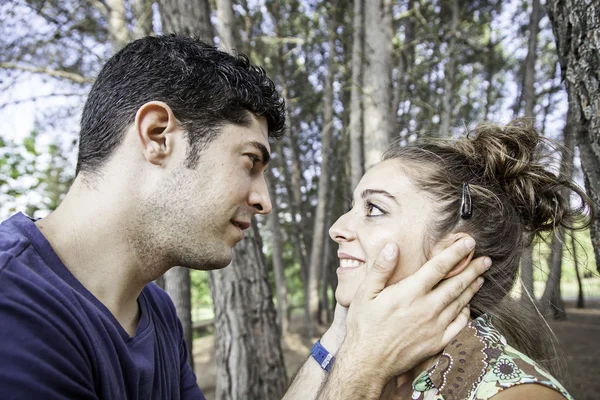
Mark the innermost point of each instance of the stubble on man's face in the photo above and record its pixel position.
(181, 226)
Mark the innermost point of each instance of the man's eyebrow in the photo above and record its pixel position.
(369, 192)
(266, 157)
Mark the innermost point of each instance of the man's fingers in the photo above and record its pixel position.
(438, 267)
(451, 312)
(461, 320)
(453, 288)
(381, 271)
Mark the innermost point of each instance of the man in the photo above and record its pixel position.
(173, 145)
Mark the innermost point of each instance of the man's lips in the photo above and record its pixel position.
(243, 225)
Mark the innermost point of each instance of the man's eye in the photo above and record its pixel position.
(254, 158)
(373, 210)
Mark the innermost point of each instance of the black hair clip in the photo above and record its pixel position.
(466, 206)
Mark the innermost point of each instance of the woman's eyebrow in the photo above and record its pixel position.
(369, 192)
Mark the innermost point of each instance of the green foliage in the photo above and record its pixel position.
(33, 177)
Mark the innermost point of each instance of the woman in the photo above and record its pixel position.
(495, 187)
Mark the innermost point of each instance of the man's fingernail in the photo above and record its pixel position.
(487, 262)
(470, 243)
(480, 281)
(389, 251)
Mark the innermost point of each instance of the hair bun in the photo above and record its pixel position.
(515, 159)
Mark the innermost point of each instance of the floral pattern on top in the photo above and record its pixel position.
(478, 364)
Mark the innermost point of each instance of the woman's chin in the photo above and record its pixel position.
(343, 297)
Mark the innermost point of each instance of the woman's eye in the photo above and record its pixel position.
(373, 210)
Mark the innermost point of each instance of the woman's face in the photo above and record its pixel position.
(387, 207)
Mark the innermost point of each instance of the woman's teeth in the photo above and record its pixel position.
(346, 263)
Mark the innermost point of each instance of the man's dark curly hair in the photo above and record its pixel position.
(206, 88)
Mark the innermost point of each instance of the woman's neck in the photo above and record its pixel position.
(400, 387)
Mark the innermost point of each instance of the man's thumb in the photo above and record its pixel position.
(382, 270)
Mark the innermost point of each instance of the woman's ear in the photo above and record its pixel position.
(446, 242)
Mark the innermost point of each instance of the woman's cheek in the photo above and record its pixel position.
(346, 290)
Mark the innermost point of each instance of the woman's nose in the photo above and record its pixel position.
(340, 231)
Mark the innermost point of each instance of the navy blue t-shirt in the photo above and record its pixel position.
(57, 341)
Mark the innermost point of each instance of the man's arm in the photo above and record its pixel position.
(391, 330)
(309, 379)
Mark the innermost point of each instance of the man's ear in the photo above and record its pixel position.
(154, 125)
(446, 242)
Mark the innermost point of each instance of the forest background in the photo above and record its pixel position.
(355, 75)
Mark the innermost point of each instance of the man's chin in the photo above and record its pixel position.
(218, 262)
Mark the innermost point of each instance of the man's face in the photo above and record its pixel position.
(201, 213)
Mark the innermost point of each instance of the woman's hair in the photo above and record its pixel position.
(514, 197)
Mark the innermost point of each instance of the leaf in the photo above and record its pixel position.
(29, 144)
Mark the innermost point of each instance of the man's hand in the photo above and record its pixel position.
(390, 330)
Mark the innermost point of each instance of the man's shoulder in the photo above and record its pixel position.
(159, 301)
(14, 245)
(163, 310)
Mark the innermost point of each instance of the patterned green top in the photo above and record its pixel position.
(478, 364)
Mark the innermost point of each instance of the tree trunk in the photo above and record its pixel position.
(528, 92)
(316, 254)
(117, 25)
(225, 25)
(142, 10)
(580, 298)
(186, 17)
(530, 60)
(356, 122)
(177, 285)
(577, 34)
(450, 73)
(247, 338)
(377, 80)
(277, 256)
(292, 171)
(551, 302)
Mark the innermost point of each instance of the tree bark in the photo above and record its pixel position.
(316, 254)
(186, 17)
(356, 120)
(529, 95)
(576, 28)
(580, 298)
(292, 170)
(377, 80)
(177, 285)
(530, 60)
(249, 358)
(551, 301)
(225, 25)
(117, 25)
(142, 10)
(450, 73)
(277, 257)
